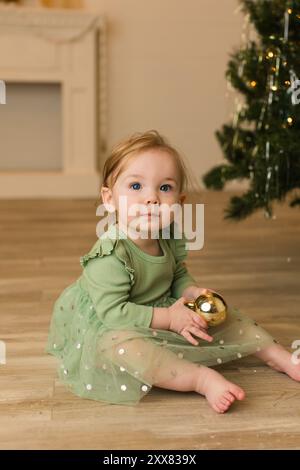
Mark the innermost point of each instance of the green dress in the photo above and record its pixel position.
(100, 327)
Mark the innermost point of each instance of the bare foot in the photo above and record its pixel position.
(219, 392)
(277, 357)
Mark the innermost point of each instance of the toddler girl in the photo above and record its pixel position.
(122, 326)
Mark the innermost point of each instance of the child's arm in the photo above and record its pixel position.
(161, 318)
(108, 285)
(183, 282)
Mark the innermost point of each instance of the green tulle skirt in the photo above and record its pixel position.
(121, 366)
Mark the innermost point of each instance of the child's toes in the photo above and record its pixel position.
(225, 401)
(229, 397)
(216, 408)
(236, 391)
(222, 406)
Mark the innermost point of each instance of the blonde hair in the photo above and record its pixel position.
(125, 150)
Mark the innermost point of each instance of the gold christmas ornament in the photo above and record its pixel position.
(211, 306)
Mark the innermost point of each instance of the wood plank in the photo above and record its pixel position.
(254, 263)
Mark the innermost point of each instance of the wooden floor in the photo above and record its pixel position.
(255, 264)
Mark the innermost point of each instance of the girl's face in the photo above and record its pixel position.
(150, 183)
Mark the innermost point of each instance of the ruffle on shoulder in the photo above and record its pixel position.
(101, 247)
(107, 244)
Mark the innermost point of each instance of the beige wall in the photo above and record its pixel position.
(166, 65)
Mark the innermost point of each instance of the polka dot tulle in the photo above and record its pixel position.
(122, 365)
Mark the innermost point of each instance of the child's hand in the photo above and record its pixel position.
(184, 321)
(192, 292)
(197, 291)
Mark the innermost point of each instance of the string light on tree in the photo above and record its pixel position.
(262, 141)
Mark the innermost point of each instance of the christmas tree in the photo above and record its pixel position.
(262, 144)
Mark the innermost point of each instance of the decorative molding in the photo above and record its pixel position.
(67, 47)
(54, 25)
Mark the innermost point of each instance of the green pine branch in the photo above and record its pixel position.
(262, 144)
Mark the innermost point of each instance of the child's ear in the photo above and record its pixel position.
(106, 194)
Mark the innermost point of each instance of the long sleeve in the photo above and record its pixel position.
(181, 278)
(108, 284)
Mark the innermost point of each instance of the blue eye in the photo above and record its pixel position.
(166, 185)
(133, 184)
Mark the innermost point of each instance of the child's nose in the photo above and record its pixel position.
(152, 201)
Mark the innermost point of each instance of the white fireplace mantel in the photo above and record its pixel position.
(39, 45)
